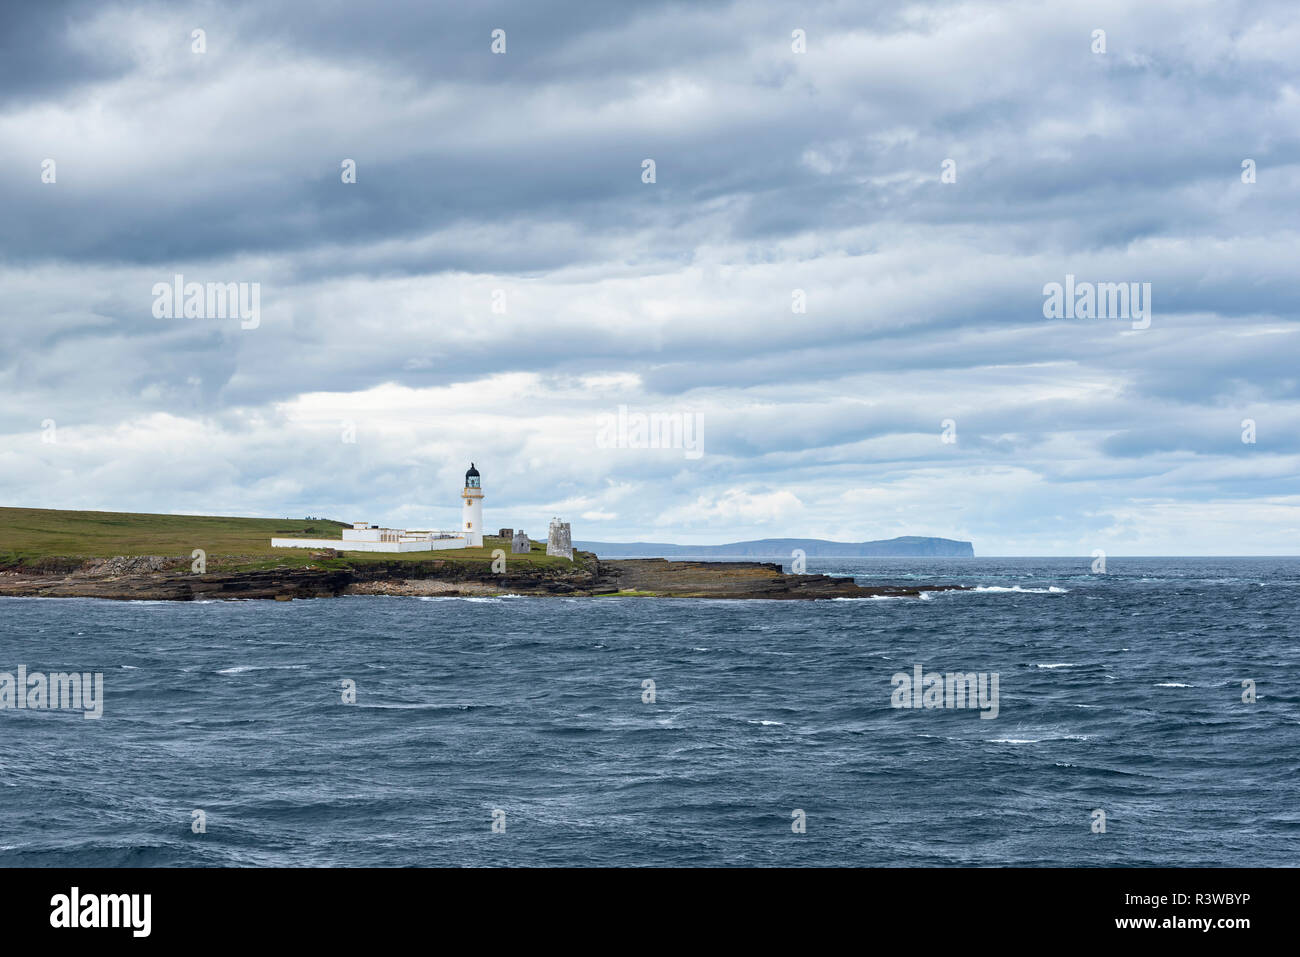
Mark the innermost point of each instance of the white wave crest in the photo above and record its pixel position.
(1050, 590)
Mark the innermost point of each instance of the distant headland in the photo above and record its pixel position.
(910, 546)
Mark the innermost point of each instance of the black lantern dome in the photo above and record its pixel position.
(471, 477)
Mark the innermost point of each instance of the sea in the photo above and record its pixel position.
(1145, 716)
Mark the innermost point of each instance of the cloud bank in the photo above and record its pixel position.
(837, 268)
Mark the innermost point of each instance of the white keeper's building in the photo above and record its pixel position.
(364, 537)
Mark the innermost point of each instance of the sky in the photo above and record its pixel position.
(831, 274)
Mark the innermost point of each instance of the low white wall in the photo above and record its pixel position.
(437, 543)
(434, 544)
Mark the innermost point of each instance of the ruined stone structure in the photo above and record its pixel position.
(505, 533)
(520, 543)
(559, 541)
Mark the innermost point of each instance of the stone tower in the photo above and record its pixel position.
(559, 541)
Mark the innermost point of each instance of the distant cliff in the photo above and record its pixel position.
(910, 546)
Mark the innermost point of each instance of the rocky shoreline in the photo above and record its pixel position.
(157, 578)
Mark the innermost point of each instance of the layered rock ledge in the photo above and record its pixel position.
(168, 579)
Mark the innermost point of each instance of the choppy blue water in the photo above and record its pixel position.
(1120, 692)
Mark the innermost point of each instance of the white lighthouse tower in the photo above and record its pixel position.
(472, 513)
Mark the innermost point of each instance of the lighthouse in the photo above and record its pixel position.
(472, 513)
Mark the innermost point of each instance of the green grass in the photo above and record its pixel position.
(30, 535)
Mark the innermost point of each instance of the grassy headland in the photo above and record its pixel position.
(42, 539)
(49, 553)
